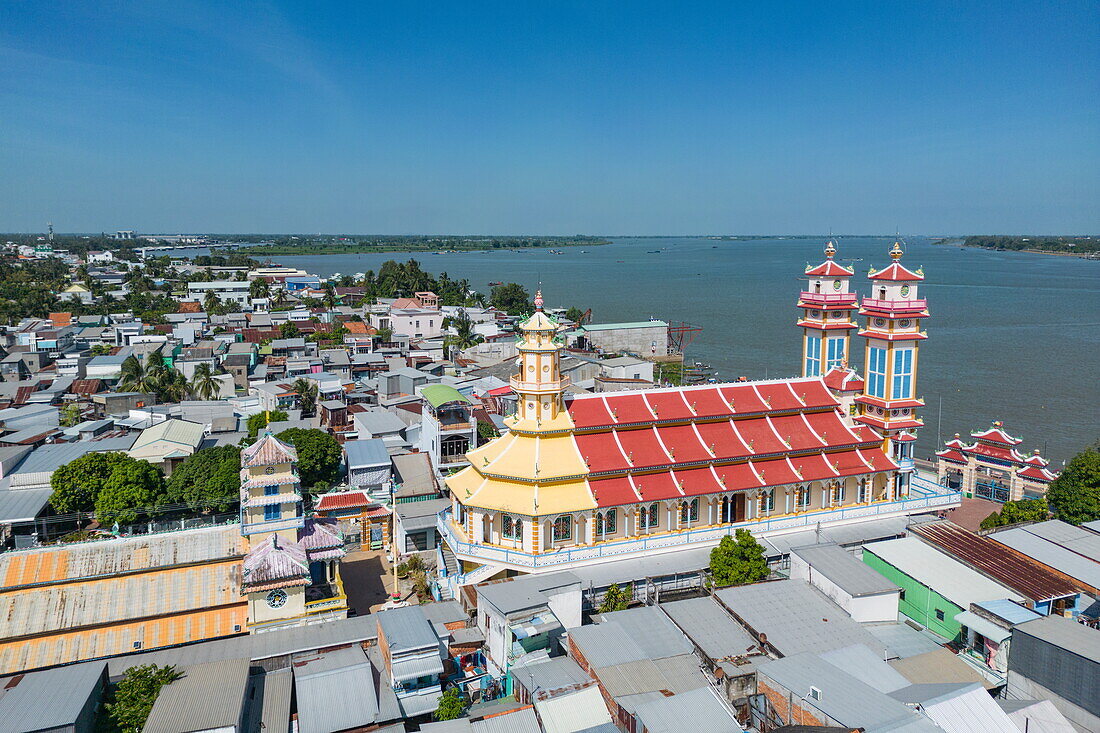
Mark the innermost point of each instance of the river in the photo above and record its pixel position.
(1013, 336)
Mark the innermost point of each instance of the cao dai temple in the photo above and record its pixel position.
(585, 477)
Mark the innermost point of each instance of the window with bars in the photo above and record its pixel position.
(802, 497)
(767, 501)
(511, 527)
(272, 512)
(689, 511)
(605, 522)
(650, 516)
(563, 527)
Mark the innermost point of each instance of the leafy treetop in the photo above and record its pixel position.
(738, 561)
(1075, 494)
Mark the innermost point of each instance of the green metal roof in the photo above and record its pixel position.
(438, 395)
(634, 324)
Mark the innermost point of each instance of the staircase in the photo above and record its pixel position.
(479, 574)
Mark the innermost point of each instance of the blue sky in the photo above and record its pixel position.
(550, 118)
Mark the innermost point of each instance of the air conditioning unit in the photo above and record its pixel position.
(815, 693)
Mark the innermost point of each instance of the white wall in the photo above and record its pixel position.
(878, 608)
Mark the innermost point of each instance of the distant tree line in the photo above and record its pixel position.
(1040, 243)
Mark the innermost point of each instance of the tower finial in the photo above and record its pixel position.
(896, 251)
(830, 249)
(538, 299)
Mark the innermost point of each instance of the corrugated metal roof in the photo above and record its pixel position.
(406, 629)
(335, 690)
(842, 697)
(48, 458)
(573, 712)
(1023, 575)
(947, 576)
(1065, 634)
(523, 593)
(523, 720)
(652, 631)
(275, 643)
(968, 709)
(114, 557)
(903, 641)
(1076, 558)
(710, 627)
(863, 664)
(23, 505)
(369, 452)
(700, 706)
(547, 675)
(796, 617)
(52, 698)
(269, 711)
(208, 696)
(675, 674)
(839, 566)
(1011, 612)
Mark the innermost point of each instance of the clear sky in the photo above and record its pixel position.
(550, 118)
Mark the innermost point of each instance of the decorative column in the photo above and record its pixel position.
(636, 514)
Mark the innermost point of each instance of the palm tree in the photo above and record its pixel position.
(171, 386)
(464, 336)
(136, 376)
(204, 385)
(307, 394)
(259, 288)
(211, 303)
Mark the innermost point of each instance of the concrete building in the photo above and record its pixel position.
(640, 338)
(411, 648)
(1058, 660)
(448, 429)
(866, 595)
(228, 291)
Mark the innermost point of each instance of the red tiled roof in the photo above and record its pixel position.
(61, 319)
(995, 451)
(896, 272)
(829, 268)
(1036, 473)
(190, 306)
(996, 435)
(843, 380)
(1012, 570)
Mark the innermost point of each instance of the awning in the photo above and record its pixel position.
(534, 627)
(404, 669)
(988, 629)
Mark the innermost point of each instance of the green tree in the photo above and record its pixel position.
(259, 288)
(209, 479)
(616, 599)
(464, 336)
(259, 421)
(136, 694)
(135, 487)
(1075, 494)
(738, 561)
(70, 415)
(574, 314)
(318, 455)
(288, 330)
(306, 390)
(77, 483)
(204, 385)
(212, 304)
(1014, 512)
(451, 705)
(512, 298)
(136, 376)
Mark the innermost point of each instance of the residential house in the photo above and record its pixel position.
(227, 291)
(168, 443)
(412, 653)
(526, 614)
(369, 467)
(866, 595)
(447, 427)
(1056, 659)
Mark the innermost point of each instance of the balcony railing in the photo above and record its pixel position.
(457, 425)
(830, 298)
(923, 499)
(906, 305)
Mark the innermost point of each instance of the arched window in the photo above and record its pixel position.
(838, 492)
(689, 511)
(511, 528)
(802, 496)
(563, 527)
(605, 523)
(650, 516)
(767, 501)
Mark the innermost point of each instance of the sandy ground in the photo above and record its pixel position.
(368, 581)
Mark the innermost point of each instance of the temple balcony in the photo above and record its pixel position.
(925, 496)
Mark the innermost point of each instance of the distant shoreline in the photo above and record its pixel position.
(1016, 244)
(307, 249)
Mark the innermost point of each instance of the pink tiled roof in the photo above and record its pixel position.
(268, 451)
(275, 564)
(320, 534)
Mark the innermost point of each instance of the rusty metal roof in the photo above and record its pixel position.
(1021, 574)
